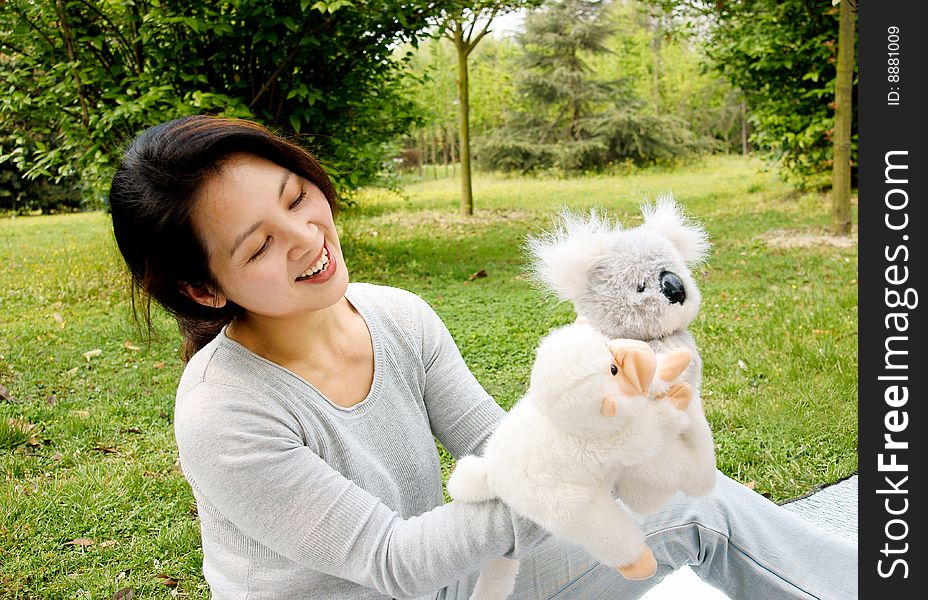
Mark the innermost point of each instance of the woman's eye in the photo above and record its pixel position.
(299, 199)
(261, 251)
(614, 369)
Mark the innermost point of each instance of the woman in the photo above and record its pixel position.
(306, 415)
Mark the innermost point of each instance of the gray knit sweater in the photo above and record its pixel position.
(300, 498)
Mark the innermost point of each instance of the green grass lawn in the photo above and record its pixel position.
(86, 443)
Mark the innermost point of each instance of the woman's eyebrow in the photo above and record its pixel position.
(244, 235)
(283, 183)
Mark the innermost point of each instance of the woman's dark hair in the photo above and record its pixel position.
(152, 196)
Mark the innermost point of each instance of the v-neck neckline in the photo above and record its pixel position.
(376, 384)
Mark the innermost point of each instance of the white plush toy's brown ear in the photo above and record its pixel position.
(666, 218)
(561, 260)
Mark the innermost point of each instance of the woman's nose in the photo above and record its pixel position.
(303, 239)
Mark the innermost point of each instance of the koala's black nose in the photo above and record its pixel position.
(672, 288)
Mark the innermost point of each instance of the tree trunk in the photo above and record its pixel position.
(467, 197)
(745, 149)
(654, 22)
(68, 37)
(451, 153)
(841, 167)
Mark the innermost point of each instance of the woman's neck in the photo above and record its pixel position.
(295, 339)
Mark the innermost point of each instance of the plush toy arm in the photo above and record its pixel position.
(468, 481)
(670, 367)
(607, 532)
(497, 580)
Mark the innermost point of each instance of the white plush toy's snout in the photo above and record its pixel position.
(576, 379)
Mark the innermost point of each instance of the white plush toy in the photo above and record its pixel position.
(636, 283)
(555, 457)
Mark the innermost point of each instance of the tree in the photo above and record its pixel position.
(841, 167)
(465, 24)
(665, 68)
(84, 76)
(577, 120)
(556, 72)
(781, 54)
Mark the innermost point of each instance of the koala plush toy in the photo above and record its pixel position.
(636, 283)
(586, 419)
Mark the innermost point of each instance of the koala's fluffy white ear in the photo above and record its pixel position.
(561, 260)
(666, 218)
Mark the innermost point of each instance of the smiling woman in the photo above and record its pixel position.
(307, 414)
(265, 230)
(153, 198)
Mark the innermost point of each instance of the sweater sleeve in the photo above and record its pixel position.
(461, 413)
(244, 456)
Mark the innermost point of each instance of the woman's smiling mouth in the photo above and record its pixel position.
(318, 268)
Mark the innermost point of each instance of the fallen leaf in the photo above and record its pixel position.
(478, 275)
(107, 543)
(167, 580)
(73, 371)
(123, 594)
(52, 400)
(5, 394)
(91, 353)
(58, 317)
(130, 346)
(750, 485)
(105, 449)
(57, 456)
(159, 364)
(83, 542)
(132, 430)
(83, 414)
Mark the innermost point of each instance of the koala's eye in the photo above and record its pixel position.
(614, 369)
(640, 287)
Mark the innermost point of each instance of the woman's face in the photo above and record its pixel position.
(271, 239)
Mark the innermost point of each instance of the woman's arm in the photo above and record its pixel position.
(461, 413)
(247, 460)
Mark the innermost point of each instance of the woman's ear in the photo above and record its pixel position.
(202, 294)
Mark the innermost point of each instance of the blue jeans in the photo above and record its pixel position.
(734, 539)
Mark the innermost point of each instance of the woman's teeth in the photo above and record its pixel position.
(315, 269)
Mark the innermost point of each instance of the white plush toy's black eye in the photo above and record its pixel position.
(640, 287)
(614, 369)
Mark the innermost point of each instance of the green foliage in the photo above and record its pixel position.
(782, 55)
(639, 69)
(575, 120)
(84, 76)
(23, 195)
(666, 71)
(13, 433)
